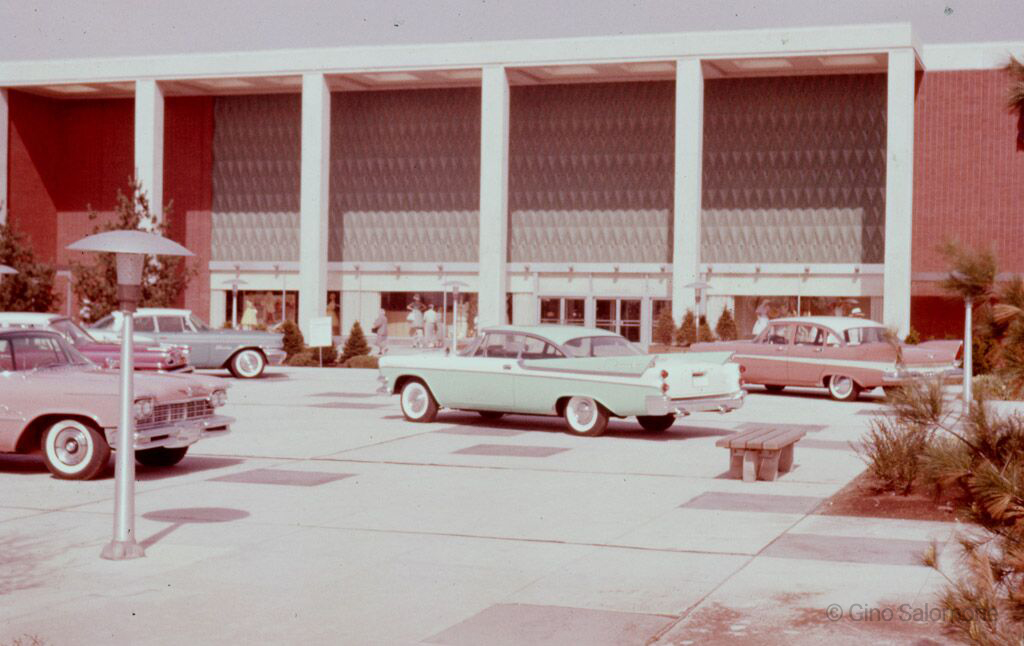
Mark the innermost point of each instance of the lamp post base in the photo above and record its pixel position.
(122, 551)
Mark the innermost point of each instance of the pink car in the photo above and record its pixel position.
(845, 355)
(146, 356)
(55, 401)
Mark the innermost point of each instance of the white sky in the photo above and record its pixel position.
(35, 29)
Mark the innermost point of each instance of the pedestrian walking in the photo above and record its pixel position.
(415, 319)
(430, 326)
(380, 328)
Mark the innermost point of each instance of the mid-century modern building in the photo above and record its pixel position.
(582, 180)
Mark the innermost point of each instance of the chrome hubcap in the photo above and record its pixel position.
(71, 446)
(415, 400)
(842, 386)
(248, 362)
(583, 412)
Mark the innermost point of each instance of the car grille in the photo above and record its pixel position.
(176, 412)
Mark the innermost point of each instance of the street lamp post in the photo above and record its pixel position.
(130, 248)
(962, 278)
(454, 285)
(700, 287)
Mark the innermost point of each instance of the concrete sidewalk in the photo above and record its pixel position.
(326, 518)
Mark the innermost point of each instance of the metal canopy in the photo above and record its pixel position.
(130, 242)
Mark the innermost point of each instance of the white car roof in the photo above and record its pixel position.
(166, 311)
(837, 323)
(28, 318)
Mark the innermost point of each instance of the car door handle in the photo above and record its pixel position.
(507, 366)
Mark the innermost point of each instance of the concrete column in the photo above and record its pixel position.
(5, 146)
(493, 196)
(218, 303)
(687, 185)
(899, 189)
(313, 200)
(149, 143)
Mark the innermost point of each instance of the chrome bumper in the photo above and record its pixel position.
(275, 357)
(176, 434)
(657, 405)
(947, 375)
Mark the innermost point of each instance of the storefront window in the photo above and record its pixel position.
(262, 309)
(747, 308)
(398, 307)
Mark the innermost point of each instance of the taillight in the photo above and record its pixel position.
(664, 388)
(664, 375)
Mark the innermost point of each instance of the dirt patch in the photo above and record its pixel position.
(863, 497)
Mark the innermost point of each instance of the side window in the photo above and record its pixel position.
(809, 335)
(579, 347)
(777, 334)
(143, 324)
(501, 346)
(37, 352)
(832, 340)
(534, 348)
(170, 324)
(6, 358)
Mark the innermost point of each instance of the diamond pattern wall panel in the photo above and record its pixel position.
(405, 175)
(794, 169)
(590, 172)
(256, 144)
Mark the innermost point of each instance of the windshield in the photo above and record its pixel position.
(71, 331)
(858, 335)
(600, 346)
(106, 323)
(35, 352)
(198, 323)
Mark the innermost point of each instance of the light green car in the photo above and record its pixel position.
(585, 375)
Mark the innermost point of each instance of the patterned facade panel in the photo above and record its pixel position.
(256, 169)
(405, 175)
(794, 169)
(590, 172)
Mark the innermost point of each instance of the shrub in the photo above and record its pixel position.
(362, 361)
(307, 358)
(913, 337)
(355, 345)
(726, 326)
(665, 327)
(294, 343)
(704, 333)
(687, 332)
(31, 289)
(893, 452)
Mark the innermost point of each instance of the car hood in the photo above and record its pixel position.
(95, 381)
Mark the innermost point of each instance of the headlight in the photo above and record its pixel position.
(143, 408)
(218, 398)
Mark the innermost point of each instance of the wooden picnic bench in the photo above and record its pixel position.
(760, 453)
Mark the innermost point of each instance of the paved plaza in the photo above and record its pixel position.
(325, 518)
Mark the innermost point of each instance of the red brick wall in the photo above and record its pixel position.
(188, 186)
(33, 171)
(968, 175)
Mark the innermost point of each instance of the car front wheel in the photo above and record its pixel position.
(843, 388)
(656, 423)
(584, 416)
(247, 364)
(74, 451)
(161, 456)
(418, 405)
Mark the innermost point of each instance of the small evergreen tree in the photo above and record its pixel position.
(913, 337)
(294, 343)
(726, 326)
(704, 333)
(164, 279)
(31, 289)
(355, 345)
(665, 327)
(687, 332)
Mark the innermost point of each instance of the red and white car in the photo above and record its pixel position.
(146, 356)
(843, 354)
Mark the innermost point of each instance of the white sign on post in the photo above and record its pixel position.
(320, 332)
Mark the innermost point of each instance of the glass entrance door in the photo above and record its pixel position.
(563, 311)
(619, 315)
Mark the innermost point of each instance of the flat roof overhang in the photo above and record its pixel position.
(733, 54)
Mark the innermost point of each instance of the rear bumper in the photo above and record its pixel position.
(656, 405)
(176, 434)
(275, 357)
(947, 375)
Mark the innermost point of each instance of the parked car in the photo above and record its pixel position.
(843, 354)
(146, 355)
(246, 353)
(585, 375)
(54, 400)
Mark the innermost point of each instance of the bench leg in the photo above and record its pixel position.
(736, 463)
(750, 459)
(769, 467)
(786, 459)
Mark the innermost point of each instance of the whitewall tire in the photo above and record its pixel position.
(417, 403)
(74, 451)
(843, 388)
(584, 416)
(247, 364)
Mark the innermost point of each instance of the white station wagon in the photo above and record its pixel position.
(585, 375)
